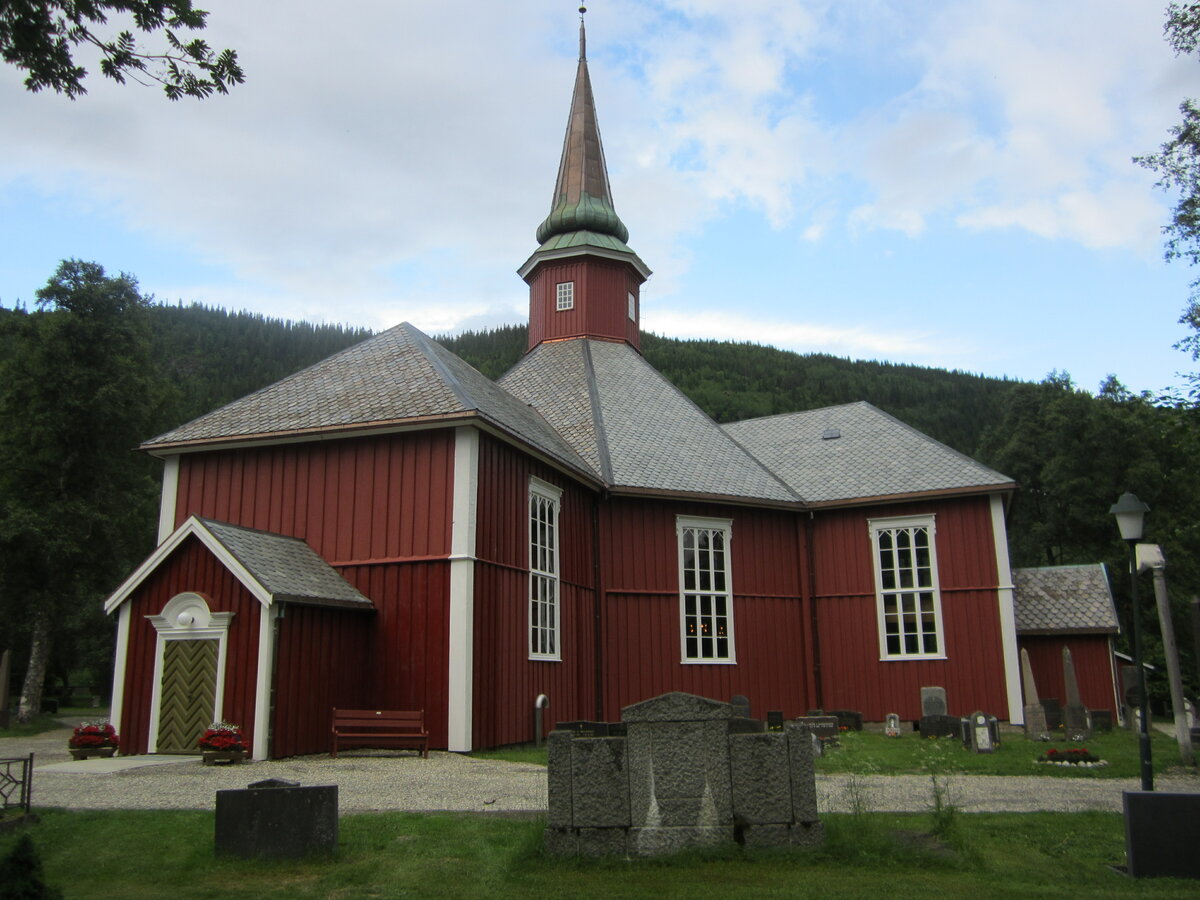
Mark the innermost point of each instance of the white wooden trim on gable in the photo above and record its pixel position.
(193, 526)
(461, 663)
(170, 496)
(1008, 615)
(120, 656)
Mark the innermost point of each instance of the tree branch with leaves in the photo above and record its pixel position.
(42, 37)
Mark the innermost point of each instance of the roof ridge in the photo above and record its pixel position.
(606, 467)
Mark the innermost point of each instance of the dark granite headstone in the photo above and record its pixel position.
(980, 731)
(774, 720)
(1162, 832)
(824, 727)
(1102, 720)
(850, 719)
(1053, 710)
(740, 705)
(940, 726)
(276, 819)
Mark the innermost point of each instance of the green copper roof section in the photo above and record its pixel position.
(582, 198)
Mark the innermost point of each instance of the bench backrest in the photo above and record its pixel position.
(390, 719)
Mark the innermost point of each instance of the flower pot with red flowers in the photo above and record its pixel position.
(222, 743)
(94, 739)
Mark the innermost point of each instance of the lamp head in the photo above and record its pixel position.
(1130, 513)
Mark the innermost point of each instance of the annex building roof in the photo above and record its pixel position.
(857, 452)
(275, 568)
(1064, 599)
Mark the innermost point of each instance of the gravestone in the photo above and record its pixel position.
(740, 706)
(774, 720)
(891, 725)
(940, 726)
(1162, 832)
(1077, 722)
(1131, 695)
(850, 719)
(1053, 713)
(687, 774)
(933, 701)
(1035, 713)
(1102, 720)
(980, 733)
(823, 727)
(277, 819)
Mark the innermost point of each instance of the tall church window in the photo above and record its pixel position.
(544, 501)
(906, 587)
(705, 593)
(632, 307)
(565, 295)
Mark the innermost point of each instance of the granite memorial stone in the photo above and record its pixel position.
(277, 819)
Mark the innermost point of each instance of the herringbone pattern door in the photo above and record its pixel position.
(189, 688)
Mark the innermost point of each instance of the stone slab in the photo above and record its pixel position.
(761, 781)
(599, 783)
(1162, 834)
(933, 702)
(277, 822)
(663, 841)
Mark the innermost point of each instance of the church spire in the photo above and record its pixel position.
(584, 281)
(582, 198)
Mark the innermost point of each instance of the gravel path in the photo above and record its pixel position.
(450, 782)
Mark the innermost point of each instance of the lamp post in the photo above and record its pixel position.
(1131, 514)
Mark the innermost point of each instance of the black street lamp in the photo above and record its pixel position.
(1131, 514)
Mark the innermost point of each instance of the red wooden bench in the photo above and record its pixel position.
(380, 728)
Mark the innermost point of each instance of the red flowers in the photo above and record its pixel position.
(222, 736)
(94, 734)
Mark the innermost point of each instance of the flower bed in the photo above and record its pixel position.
(1072, 756)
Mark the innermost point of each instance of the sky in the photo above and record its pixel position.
(945, 184)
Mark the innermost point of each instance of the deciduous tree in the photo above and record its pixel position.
(43, 36)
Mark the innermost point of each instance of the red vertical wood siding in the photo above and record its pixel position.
(359, 499)
(852, 674)
(505, 681)
(379, 510)
(191, 568)
(641, 624)
(601, 308)
(341, 639)
(1092, 658)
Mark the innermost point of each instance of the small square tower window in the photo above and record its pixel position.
(566, 295)
(632, 307)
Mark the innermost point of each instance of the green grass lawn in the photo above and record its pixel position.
(872, 753)
(151, 854)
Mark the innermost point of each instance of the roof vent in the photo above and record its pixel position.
(830, 433)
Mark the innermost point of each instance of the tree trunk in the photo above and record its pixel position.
(35, 675)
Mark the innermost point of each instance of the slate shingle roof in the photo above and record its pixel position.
(872, 455)
(396, 376)
(1064, 599)
(286, 567)
(633, 426)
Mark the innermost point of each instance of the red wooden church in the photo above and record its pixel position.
(391, 529)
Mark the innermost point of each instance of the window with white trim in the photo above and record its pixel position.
(705, 594)
(544, 501)
(565, 296)
(906, 588)
(632, 307)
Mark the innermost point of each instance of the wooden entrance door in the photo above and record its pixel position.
(189, 689)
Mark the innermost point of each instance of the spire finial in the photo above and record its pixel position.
(582, 34)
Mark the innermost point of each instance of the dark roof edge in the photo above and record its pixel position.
(974, 490)
(1051, 632)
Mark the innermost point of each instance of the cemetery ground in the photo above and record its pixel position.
(941, 849)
